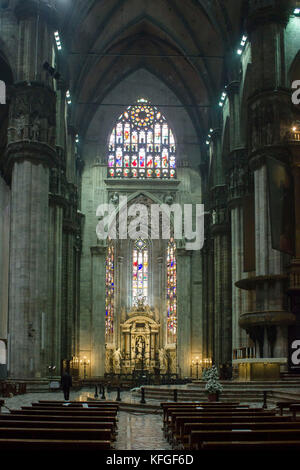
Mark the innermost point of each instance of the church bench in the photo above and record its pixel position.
(196, 438)
(260, 446)
(56, 433)
(176, 405)
(77, 404)
(180, 421)
(57, 424)
(71, 408)
(197, 409)
(38, 445)
(171, 424)
(182, 437)
(55, 417)
(274, 446)
(74, 412)
(213, 413)
(286, 405)
(295, 408)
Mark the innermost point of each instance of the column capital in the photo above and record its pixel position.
(32, 114)
(216, 133)
(184, 252)
(233, 88)
(98, 250)
(259, 159)
(262, 12)
(36, 152)
(28, 8)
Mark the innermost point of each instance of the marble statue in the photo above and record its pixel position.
(117, 356)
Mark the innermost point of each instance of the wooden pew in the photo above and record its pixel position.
(197, 438)
(182, 439)
(227, 416)
(261, 446)
(286, 405)
(74, 412)
(294, 408)
(182, 420)
(71, 408)
(17, 423)
(53, 445)
(167, 405)
(76, 404)
(56, 433)
(170, 410)
(55, 417)
(46, 424)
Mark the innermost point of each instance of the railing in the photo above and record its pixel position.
(243, 353)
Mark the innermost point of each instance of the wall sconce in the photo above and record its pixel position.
(51, 370)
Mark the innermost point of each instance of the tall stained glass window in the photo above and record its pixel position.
(171, 292)
(140, 271)
(110, 289)
(142, 145)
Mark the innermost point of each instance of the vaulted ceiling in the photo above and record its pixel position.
(184, 43)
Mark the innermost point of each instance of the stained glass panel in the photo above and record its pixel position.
(140, 271)
(171, 292)
(141, 130)
(109, 297)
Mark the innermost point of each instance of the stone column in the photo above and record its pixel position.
(28, 305)
(208, 294)
(222, 295)
(269, 115)
(55, 281)
(160, 298)
(119, 304)
(183, 311)
(239, 338)
(197, 305)
(98, 311)
(4, 255)
(269, 264)
(239, 183)
(30, 153)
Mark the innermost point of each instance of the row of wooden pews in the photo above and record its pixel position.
(60, 426)
(209, 426)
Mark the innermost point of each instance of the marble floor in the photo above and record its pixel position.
(136, 431)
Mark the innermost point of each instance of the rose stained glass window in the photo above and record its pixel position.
(142, 145)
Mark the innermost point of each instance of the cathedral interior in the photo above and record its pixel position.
(175, 105)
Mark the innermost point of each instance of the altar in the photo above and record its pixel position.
(140, 340)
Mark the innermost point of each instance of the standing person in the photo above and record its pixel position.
(66, 384)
